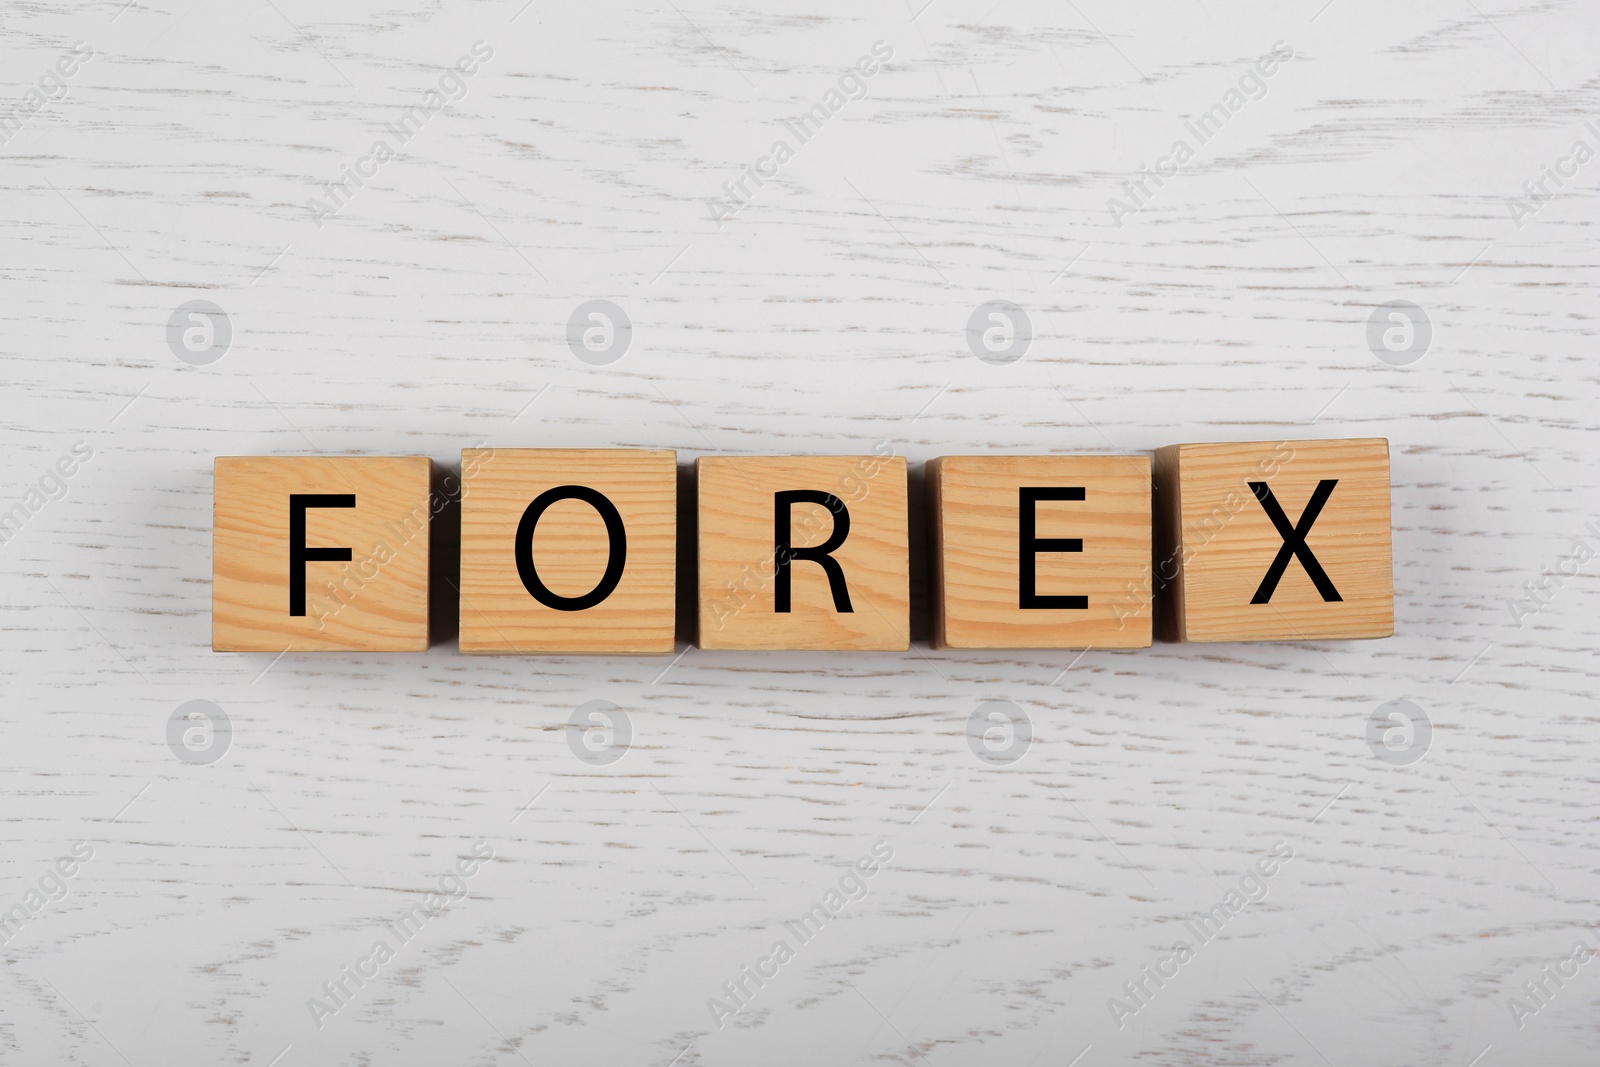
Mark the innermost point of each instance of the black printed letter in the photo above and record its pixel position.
(615, 534)
(1294, 541)
(782, 553)
(299, 553)
(1028, 546)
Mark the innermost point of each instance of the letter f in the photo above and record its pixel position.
(299, 554)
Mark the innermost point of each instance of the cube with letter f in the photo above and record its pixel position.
(320, 553)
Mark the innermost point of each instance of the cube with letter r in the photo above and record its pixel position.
(803, 552)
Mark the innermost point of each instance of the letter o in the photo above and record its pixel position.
(615, 561)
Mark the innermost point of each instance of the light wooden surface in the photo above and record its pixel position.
(570, 549)
(365, 574)
(1218, 564)
(975, 513)
(828, 315)
(859, 600)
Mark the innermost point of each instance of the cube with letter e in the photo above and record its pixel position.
(314, 553)
(1285, 541)
(1041, 551)
(803, 552)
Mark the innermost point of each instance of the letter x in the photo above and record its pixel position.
(1294, 541)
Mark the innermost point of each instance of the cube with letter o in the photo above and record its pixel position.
(568, 550)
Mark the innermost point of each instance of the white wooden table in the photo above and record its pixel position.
(828, 313)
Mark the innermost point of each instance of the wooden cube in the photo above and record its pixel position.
(1274, 542)
(1041, 551)
(803, 552)
(320, 554)
(568, 550)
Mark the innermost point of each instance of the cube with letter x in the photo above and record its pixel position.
(1041, 551)
(803, 552)
(314, 553)
(1285, 541)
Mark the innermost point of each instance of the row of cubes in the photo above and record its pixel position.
(577, 550)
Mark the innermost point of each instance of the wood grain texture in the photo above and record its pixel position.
(829, 315)
(1218, 562)
(374, 600)
(975, 511)
(570, 549)
(862, 604)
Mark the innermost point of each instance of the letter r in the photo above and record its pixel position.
(783, 553)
